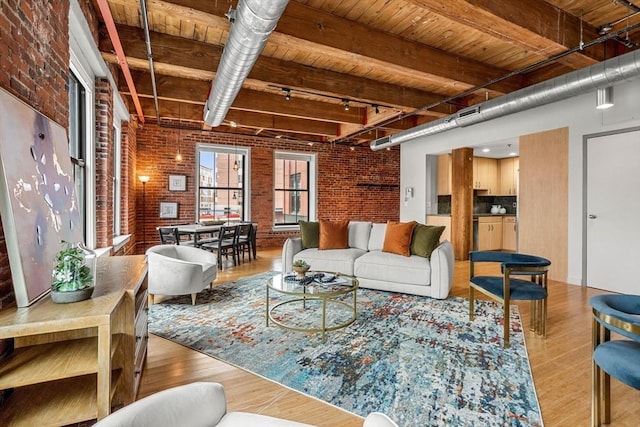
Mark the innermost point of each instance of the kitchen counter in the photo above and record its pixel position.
(490, 214)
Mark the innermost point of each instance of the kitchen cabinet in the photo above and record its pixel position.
(509, 176)
(444, 174)
(509, 233)
(73, 362)
(489, 233)
(441, 220)
(485, 174)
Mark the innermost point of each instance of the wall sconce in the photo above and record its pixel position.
(178, 156)
(408, 193)
(604, 98)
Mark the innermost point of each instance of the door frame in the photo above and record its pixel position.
(585, 159)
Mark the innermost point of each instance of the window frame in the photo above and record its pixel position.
(312, 162)
(245, 152)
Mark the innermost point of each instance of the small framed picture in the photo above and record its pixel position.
(168, 210)
(177, 183)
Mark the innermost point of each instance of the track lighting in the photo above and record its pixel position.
(376, 108)
(287, 94)
(346, 104)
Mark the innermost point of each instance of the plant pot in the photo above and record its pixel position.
(300, 271)
(71, 296)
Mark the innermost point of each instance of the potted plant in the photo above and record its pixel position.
(73, 274)
(300, 267)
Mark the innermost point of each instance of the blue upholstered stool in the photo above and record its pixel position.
(505, 288)
(618, 358)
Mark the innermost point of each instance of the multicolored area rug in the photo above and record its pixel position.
(417, 359)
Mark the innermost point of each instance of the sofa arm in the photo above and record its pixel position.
(172, 276)
(291, 246)
(442, 270)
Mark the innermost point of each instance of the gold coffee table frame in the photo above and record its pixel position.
(314, 291)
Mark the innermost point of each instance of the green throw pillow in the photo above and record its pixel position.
(310, 234)
(425, 239)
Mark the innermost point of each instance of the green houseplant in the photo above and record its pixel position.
(73, 273)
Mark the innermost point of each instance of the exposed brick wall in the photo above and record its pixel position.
(34, 63)
(104, 162)
(128, 182)
(340, 170)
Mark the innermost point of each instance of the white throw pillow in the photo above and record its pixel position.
(359, 232)
(376, 241)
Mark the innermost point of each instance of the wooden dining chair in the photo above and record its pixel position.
(244, 240)
(226, 244)
(169, 235)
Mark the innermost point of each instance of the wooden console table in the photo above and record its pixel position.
(73, 362)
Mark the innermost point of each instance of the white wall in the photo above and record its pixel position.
(578, 113)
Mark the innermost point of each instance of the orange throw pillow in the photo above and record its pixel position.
(334, 234)
(397, 238)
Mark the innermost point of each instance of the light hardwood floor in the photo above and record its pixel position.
(561, 364)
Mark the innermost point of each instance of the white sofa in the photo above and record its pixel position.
(376, 269)
(202, 404)
(180, 270)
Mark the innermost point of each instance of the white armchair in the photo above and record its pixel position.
(180, 270)
(202, 404)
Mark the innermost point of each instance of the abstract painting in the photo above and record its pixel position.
(37, 196)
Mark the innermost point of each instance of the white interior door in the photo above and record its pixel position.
(613, 212)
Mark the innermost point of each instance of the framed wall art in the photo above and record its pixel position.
(177, 183)
(168, 210)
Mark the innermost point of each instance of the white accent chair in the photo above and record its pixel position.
(180, 270)
(202, 404)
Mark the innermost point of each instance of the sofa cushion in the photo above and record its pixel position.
(397, 238)
(393, 268)
(359, 232)
(310, 234)
(331, 260)
(425, 239)
(376, 239)
(334, 234)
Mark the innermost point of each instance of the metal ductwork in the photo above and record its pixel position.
(598, 76)
(251, 24)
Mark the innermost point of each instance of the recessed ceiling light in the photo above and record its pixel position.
(513, 154)
(486, 150)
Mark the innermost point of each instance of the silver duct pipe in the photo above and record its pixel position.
(598, 76)
(251, 24)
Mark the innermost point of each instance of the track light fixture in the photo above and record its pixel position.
(346, 104)
(287, 94)
(376, 108)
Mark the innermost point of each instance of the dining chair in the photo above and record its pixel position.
(619, 358)
(253, 239)
(169, 235)
(226, 244)
(504, 288)
(244, 240)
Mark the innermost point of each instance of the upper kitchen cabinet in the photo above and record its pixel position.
(509, 176)
(485, 174)
(444, 174)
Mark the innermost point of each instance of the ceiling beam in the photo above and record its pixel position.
(534, 25)
(190, 91)
(308, 29)
(187, 58)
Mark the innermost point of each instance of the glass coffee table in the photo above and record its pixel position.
(301, 300)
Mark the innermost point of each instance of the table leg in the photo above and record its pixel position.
(324, 318)
(267, 306)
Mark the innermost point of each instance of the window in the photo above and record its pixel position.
(116, 152)
(77, 144)
(223, 183)
(294, 188)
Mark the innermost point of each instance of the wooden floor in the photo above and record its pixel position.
(561, 364)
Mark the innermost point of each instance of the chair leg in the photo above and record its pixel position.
(606, 397)
(595, 395)
(193, 298)
(151, 299)
(471, 303)
(506, 324)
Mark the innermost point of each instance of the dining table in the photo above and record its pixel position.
(200, 233)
